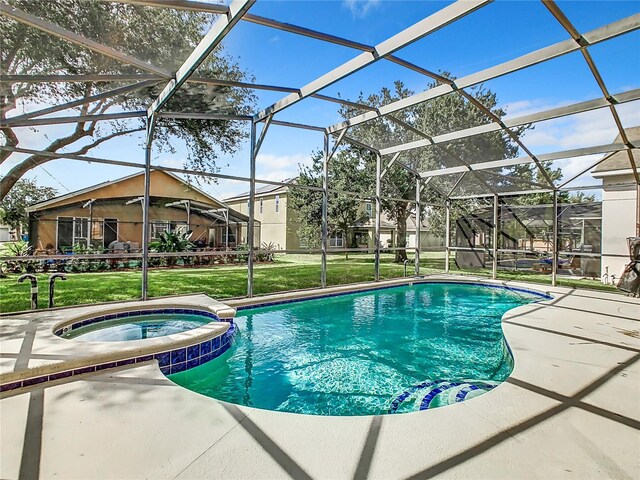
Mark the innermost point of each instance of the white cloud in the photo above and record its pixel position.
(280, 167)
(360, 8)
(171, 162)
(592, 128)
(596, 127)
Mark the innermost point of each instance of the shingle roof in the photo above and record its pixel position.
(262, 190)
(620, 160)
(40, 205)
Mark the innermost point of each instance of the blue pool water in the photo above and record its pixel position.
(137, 327)
(392, 350)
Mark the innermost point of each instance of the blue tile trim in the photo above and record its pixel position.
(58, 376)
(171, 361)
(132, 313)
(439, 387)
(426, 401)
(543, 296)
(462, 394)
(34, 381)
(407, 393)
(179, 355)
(10, 386)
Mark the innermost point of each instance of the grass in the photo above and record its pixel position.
(288, 272)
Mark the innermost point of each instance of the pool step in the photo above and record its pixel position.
(438, 393)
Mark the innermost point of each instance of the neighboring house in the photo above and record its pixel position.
(112, 212)
(428, 241)
(279, 224)
(364, 230)
(6, 233)
(620, 204)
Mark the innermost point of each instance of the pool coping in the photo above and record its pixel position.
(70, 357)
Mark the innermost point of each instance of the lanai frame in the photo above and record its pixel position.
(335, 135)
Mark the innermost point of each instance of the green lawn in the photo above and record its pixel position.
(288, 272)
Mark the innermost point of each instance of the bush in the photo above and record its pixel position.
(267, 256)
(18, 249)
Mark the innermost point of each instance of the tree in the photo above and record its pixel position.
(347, 172)
(161, 36)
(532, 174)
(435, 117)
(13, 208)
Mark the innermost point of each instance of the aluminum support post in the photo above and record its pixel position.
(378, 207)
(447, 235)
(496, 226)
(554, 263)
(325, 210)
(252, 201)
(146, 228)
(418, 222)
(90, 223)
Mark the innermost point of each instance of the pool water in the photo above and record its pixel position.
(392, 350)
(137, 327)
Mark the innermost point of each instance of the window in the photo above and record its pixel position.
(72, 231)
(110, 229)
(369, 209)
(277, 203)
(65, 234)
(336, 240)
(179, 227)
(81, 231)
(157, 228)
(97, 230)
(261, 206)
(362, 239)
(231, 234)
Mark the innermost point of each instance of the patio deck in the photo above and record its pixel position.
(570, 409)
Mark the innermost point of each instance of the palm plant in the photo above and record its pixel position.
(172, 242)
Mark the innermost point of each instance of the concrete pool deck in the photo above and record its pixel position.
(570, 409)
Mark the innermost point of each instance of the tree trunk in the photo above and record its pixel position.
(36, 160)
(401, 234)
(10, 179)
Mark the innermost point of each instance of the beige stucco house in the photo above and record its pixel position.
(620, 206)
(112, 212)
(279, 224)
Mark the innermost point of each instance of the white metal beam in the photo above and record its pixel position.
(428, 25)
(82, 101)
(510, 162)
(87, 77)
(598, 35)
(211, 40)
(285, 27)
(518, 121)
(568, 26)
(32, 122)
(203, 116)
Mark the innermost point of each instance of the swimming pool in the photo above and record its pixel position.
(390, 350)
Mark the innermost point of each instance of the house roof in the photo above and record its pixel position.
(84, 191)
(265, 190)
(620, 160)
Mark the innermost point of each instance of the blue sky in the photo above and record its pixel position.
(496, 33)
